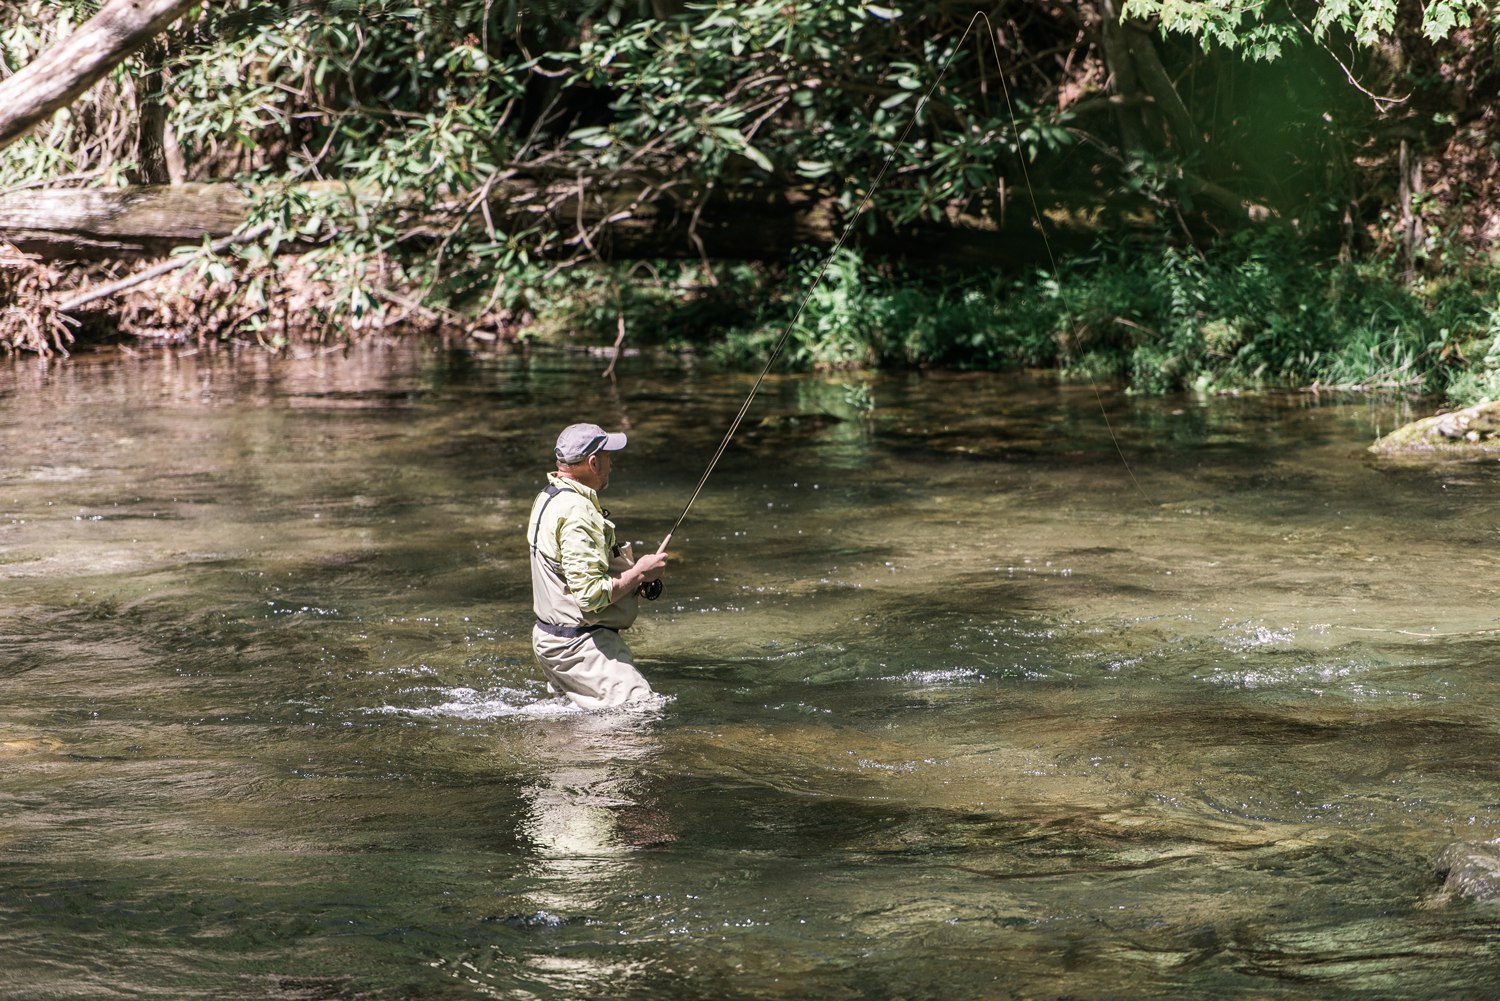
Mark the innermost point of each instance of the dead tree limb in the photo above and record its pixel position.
(165, 267)
(56, 77)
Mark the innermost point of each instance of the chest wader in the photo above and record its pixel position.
(619, 615)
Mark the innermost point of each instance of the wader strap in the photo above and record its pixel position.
(569, 632)
(551, 490)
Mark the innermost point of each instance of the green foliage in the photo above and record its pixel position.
(736, 92)
(1479, 382)
(1253, 312)
(858, 315)
(1263, 29)
(375, 136)
(417, 112)
(1245, 314)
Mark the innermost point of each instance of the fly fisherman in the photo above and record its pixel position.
(584, 583)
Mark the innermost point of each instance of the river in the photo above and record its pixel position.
(973, 686)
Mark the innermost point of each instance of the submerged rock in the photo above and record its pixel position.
(798, 422)
(1472, 431)
(1470, 870)
(29, 745)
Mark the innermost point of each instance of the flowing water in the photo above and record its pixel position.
(973, 687)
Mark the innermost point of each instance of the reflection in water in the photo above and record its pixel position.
(585, 818)
(588, 813)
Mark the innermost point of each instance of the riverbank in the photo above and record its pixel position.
(1240, 316)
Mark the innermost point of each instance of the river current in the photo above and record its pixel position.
(972, 686)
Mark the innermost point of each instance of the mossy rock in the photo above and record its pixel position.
(1473, 431)
(1470, 870)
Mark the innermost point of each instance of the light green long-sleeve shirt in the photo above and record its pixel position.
(570, 561)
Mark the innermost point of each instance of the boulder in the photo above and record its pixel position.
(1472, 431)
(1470, 870)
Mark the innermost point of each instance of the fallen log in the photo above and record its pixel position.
(92, 223)
(619, 223)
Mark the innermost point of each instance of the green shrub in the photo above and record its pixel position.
(1245, 314)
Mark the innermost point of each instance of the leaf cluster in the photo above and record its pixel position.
(422, 113)
(1264, 29)
(441, 155)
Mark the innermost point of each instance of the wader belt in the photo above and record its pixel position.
(569, 632)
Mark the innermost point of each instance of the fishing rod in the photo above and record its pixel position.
(828, 259)
(900, 143)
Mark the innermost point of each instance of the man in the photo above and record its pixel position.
(584, 583)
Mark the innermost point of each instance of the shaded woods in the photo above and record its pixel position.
(1184, 195)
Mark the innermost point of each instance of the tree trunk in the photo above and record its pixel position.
(71, 223)
(151, 141)
(1130, 109)
(158, 159)
(1152, 117)
(60, 74)
(1153, 75)
(619, 224)
(1137, 72)
(1409, 187)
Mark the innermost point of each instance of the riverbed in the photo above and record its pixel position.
(970, 686)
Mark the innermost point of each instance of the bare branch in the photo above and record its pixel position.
(63, 72)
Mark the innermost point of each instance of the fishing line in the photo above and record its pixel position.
(1036, 213)
(807, 296)
(828, 259)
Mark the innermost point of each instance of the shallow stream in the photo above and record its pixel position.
(974, 687)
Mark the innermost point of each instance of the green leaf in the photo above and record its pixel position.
(593, 136)
(758, 158)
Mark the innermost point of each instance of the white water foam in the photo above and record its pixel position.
(499, 703)
(496, 703)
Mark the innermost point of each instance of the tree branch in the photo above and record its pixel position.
(56, 78)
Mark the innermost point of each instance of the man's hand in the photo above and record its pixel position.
(652, 566)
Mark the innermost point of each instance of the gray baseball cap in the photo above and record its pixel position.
(577, 442)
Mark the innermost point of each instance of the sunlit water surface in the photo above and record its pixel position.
(973, 687)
